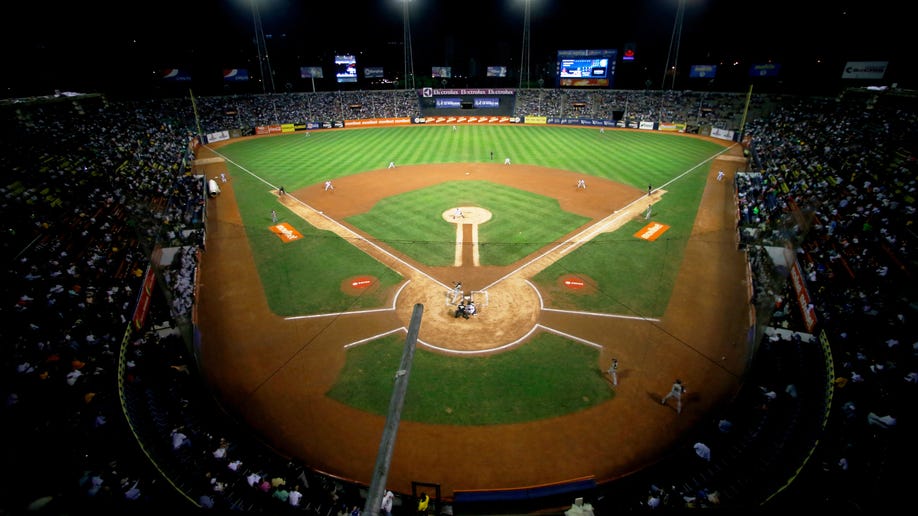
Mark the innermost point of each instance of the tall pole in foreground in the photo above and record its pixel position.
(394, 416)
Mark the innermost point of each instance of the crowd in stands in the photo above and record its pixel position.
(843, 176)
(109, 415)
(834, 180)
(249, 111)
(694, 109)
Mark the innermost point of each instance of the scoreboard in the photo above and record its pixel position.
(586, 68)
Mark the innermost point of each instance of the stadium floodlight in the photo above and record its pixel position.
(264, 63)
(409, 57)
(524, 58)
(674, 43)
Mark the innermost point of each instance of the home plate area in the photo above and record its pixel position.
(460, 300)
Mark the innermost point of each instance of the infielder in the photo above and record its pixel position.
(613, 371)
(676, 391)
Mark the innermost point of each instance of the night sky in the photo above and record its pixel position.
(96, 45)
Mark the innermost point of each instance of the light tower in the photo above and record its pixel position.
(409, 57)
(673, 53)
(674, 43)
(524, 58)
(264, 63)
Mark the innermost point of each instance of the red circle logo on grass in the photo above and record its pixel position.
(361, 282)
(573, 282)
(359, 285)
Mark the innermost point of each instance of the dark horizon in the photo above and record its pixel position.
(74, 48)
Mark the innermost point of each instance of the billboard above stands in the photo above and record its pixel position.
(764, 70)
(441, 71)
(630, 51)
(497, 71)
(235, 75)
(864, 69)
(176, 74)
(311, 72)
(373, 72)
(703, 71)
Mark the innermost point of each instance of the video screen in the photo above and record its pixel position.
(586, 68)
(441, 71)
(346, 68)
(578, 68)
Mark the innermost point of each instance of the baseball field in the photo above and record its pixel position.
(303, 320)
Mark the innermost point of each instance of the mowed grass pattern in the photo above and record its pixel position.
(628, 275)
(521, 222)
(636, 158)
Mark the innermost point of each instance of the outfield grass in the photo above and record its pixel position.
(549, 375)
(635, 158)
